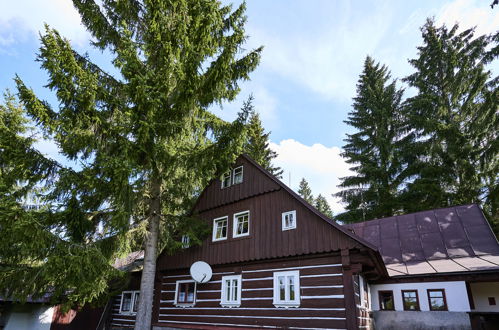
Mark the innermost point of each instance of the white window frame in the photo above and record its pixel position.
(231, 303)
(234, 175)
(229, 174)
(181, 304)
(186, 242)
(132, 302)
(287, 303)
(284, 214)
(214, 233)
(234, 224)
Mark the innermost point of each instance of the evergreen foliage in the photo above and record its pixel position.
(374, 150)
(322, 205)
(143, 140)
(455, 156)
(305, 192)
(257, 144)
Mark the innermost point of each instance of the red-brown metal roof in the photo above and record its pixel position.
(452, 239)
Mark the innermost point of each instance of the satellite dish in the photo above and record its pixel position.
(201, 272)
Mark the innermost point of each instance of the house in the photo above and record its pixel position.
(444, 260)
(279, 263)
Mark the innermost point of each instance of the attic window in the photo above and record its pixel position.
(226, 178)
(237, 175)
(289, 220)
(186, 241)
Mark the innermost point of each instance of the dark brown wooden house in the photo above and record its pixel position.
(277, 263)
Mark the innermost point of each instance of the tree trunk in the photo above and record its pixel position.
(144, 313)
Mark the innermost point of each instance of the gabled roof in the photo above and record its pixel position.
(266, 197)
(446, 240)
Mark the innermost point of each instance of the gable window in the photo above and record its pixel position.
(410, 300)
(289, 220)
(436, 300)
(226, 179)
(386, 302)
(231, 291)
(129, 302)
(237, 175)
(241, 224)
(287, 289)
(185, 293)
(186, 241)
(219, 229)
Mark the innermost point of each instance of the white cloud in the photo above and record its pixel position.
(25, 19)
(470, 13)
(325, 57)
(321, 166)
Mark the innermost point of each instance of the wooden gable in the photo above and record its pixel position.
(266, 198)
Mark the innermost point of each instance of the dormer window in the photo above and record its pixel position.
(289, 220)
(237, 175)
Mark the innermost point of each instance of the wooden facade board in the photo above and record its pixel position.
(266, 240)
(321, 289)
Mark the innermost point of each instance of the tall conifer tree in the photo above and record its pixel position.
(144, 141)
(305, 192)
(454, 117)
(374, 149)
(257, 145)
(323, 206)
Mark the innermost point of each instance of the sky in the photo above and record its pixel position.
(313, 54)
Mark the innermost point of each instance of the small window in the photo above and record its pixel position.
(186, 241)
(492, 301)
(410, 300)
(436, 300)
(287, 289)
(289, 220)
(129, 302)
(241, 224)
(219, 229)
(226, 179)
(386, 302)
(231, 291)
(185, 293)
(237, 175)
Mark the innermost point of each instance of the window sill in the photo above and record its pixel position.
(184, 305)
(287, 305)
(127, 313)
(229, 305)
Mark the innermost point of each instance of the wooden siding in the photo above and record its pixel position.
(321, 290)
(254, 183)
(267, 240)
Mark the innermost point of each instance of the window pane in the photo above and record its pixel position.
(410, 300)
(221, 229)
(136, 302)
(291, 282)
(234, 290)
(227, 290)
(226, 180)
(242, 224)
(190, 292)
(282, 288)
(238, 175)
(126, 302)
(386, 300)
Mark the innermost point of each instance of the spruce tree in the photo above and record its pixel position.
(455, 158)
(257, 145)
(322, 205)
(374, 150)
(305, 192)
(143, 139)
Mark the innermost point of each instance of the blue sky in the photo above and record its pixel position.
(313, 55)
